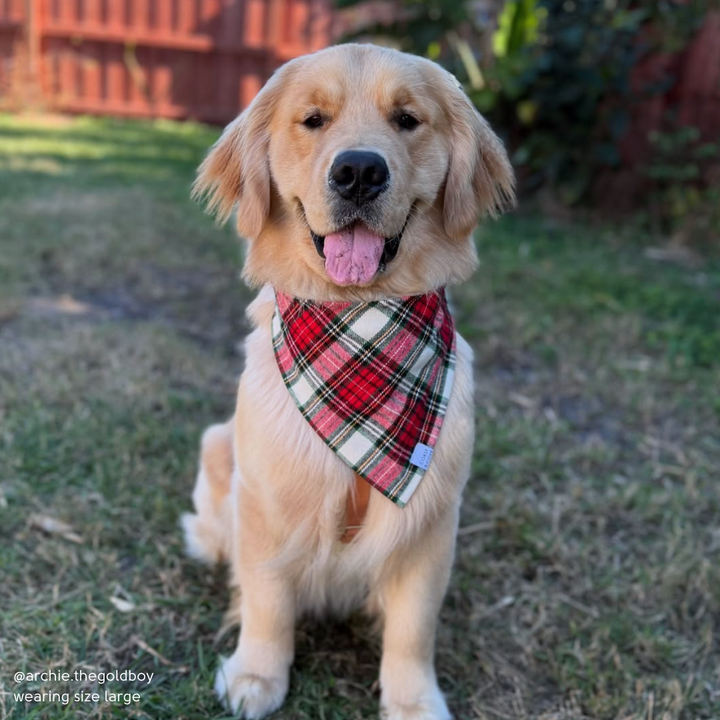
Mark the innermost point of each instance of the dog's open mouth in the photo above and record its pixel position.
(355, 254)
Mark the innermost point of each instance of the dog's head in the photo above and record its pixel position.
(358, 172)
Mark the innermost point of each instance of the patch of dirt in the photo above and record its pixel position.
(119, 304)
(66, 305)
(207, 306)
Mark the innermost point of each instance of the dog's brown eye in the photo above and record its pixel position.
(406, 121)
(314, 121)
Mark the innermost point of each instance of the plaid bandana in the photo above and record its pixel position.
(373, 379)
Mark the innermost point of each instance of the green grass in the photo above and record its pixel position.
(587, 581)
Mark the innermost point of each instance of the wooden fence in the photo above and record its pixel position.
(691, 78)
(200, 59)
(689, 96)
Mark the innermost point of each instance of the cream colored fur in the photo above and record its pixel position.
(270, 495)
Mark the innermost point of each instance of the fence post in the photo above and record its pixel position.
(33, 96)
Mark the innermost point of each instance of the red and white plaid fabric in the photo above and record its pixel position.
(373, 379)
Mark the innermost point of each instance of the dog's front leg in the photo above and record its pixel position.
(254, 680)
(411, 597)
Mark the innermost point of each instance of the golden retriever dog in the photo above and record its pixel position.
(357, 174)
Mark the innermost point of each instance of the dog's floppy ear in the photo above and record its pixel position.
(235, 172)
(480, 178)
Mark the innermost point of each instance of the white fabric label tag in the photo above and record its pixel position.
(422, 454)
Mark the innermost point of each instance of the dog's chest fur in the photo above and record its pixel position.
(300, 487)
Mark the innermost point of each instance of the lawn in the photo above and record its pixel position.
(587, 579)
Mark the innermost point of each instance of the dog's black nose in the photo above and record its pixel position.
(359, 175)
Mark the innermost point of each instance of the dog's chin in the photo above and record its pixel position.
(356, 254)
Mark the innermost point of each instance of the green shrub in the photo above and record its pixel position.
(562, 84)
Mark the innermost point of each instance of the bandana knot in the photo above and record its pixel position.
(373, 379)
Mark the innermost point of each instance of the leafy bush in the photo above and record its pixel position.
(564, 88)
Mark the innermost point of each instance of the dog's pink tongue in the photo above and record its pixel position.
(352, 256)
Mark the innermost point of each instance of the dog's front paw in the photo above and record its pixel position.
(431, 706)
(250, 696)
